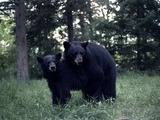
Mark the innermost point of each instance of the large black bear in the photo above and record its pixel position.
(61, 78)
(97, 62)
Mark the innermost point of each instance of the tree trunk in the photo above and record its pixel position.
(21, 42)
(138, 52)
(107, 3)
(91, 36)
(140, 15)
(82, 25)
(69, 20)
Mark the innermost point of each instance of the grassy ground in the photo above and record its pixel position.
(138, 98)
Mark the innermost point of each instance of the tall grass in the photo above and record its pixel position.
(138, 98)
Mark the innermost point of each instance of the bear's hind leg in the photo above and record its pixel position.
(109, 86)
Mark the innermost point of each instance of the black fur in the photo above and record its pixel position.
(99, 65)
(64, 79)
(51, 76)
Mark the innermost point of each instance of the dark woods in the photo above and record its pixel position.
(129, 29)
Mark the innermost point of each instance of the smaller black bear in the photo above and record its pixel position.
(49, 67)
(61, 78)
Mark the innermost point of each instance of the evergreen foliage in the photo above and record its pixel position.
(129, 29)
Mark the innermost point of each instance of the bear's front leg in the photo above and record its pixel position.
(96, 78)
(55, 93)
(65, 95)
(55, 99)
(98, 94)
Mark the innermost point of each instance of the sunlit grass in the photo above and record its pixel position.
(138, 98)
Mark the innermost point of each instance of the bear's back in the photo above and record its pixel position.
(101, 54)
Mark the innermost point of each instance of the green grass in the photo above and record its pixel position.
(138, 98)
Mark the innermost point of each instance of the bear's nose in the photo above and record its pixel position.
(80, 62)
(53, 68)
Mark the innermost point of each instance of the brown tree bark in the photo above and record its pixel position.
(84, 32)
(69, 20)
(21, 42)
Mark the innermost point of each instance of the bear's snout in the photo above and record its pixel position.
(52, 67)
(79, 60)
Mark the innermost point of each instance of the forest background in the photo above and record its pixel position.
(128, 29)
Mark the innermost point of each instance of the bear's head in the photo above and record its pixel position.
(75, 52)
(49, 63)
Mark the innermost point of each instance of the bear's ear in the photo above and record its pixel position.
(84, 45)
(66, 45)
(39, 59)
(58, 56)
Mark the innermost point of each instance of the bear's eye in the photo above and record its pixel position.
(48, 63)
(75, 54)
(81, 53)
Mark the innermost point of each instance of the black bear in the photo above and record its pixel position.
(97, 62)
(61, 78)
(49, 68)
